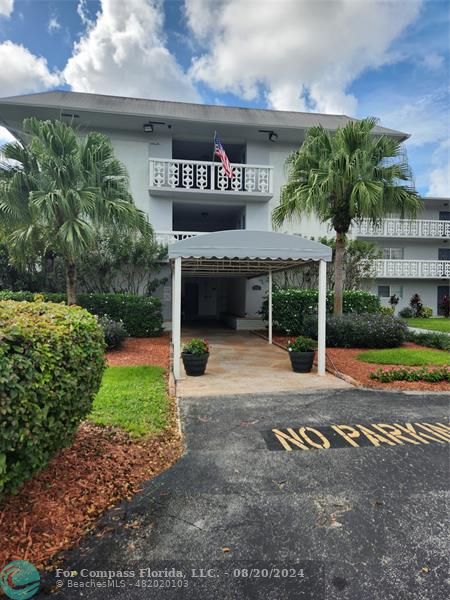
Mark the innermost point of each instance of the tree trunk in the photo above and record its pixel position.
(339, 273)
(71, 283)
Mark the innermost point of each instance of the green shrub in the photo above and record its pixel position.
(360, 331)
(113, 331)
(302, 344)
(387, 310)
(290, 306)
(51, 365)
(430, 375)
(441, 341)
(406, 313)
(427, 312)
(196, 346)
(141, 315)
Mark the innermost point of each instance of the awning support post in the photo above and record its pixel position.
(322, 309)
(176, 317)
(270, 307)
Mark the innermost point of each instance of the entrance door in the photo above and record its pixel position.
(190, 301)
(442, 291)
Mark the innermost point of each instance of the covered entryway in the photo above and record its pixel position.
(242, 362)
(244, 253)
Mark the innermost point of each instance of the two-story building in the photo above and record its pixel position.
(169, 152)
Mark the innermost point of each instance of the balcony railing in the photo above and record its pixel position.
(200, 176)
(170, 237)
(412, 269)
(405, 228)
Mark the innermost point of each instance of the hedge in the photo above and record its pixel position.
(360, 331)
(438, 340)
(141, 315)
(51, 365)
(290, 306)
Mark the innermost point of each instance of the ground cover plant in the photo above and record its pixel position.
(132, 398)
(414, 357)
(411, 375)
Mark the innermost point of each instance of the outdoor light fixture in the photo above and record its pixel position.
(150, 125)
(273, 137)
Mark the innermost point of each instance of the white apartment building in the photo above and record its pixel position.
(168, 150)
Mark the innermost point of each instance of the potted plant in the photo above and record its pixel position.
(195, 355)
(301, 353)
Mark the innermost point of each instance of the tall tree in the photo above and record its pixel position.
(346, 176)
(58, 190)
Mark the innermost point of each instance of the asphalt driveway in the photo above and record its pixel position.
(248, 513)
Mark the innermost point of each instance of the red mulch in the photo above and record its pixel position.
(141, 351)
(58, 506)
(344, 360)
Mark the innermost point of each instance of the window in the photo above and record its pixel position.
(444, 254)
(383, 291)
(386, 291)
(393, 253)
(444, 215)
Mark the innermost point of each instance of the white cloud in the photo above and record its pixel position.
(22, 72)
(123, 52)
(439, 178)
(6, 7)
(433, 61)
(305, 52)
(53, 25)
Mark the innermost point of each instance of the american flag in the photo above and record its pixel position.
(220, 152)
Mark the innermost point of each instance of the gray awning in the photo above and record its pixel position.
(245, 251)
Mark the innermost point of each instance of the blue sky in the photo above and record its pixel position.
(388, 58)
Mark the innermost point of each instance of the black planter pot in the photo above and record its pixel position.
(301, 362)
(194, 364)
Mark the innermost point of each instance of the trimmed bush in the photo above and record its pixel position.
(406, 313)
(290, 306)
(360, 331)
(51, 365)
(441, 341)
(429, 375)
(114, 332)
(141, 315)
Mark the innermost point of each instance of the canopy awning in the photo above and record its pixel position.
(245, 252)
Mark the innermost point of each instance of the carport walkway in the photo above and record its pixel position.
(241, 362)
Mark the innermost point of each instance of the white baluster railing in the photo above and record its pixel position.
(404, 228)
(170, 237)
(412, 269)
(175, 174)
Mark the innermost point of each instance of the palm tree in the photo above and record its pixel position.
(344, 177)
(58, 190)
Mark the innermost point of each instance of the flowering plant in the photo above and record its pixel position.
(302, 344)
(196, 346)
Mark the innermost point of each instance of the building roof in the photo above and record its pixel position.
(65, 101)
(243, 251)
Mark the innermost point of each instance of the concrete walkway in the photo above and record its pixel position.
(241, 362)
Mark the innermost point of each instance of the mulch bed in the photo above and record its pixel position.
(141, 351)
(60, 504)
(344, 360)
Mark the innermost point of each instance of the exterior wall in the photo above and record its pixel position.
(427, 290)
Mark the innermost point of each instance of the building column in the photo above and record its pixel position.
(270, 307)
(322, 315)
(176, 317)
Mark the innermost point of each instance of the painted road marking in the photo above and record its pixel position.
(312, 437)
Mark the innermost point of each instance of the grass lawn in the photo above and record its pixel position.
(412, 357)
(432, 324)
(133, 398)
